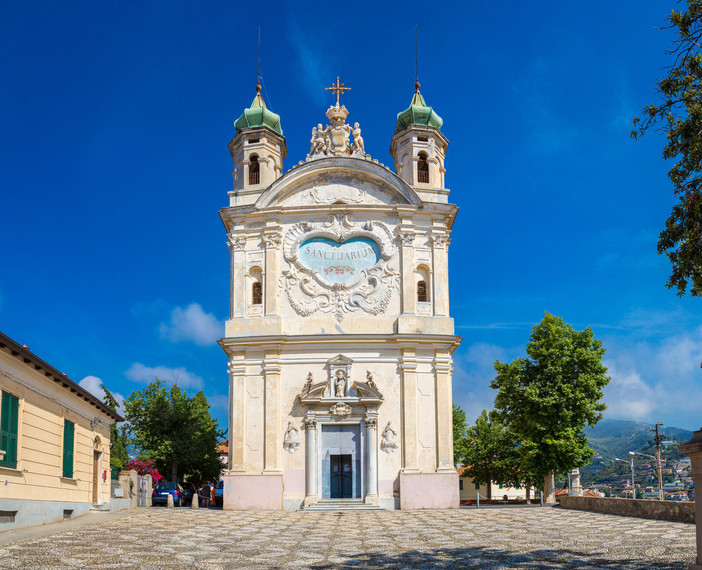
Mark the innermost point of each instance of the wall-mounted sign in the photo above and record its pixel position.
(339, 262)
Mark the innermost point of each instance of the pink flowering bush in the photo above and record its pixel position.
(144, 467)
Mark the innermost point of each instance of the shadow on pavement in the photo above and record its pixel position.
(481, 557)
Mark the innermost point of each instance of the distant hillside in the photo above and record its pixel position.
(615, 438)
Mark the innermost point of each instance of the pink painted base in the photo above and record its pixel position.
(253, 492)
(429, 491)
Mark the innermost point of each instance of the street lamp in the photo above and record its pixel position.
(633, 491)
(658, 468)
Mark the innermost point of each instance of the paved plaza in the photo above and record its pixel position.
(535, 537)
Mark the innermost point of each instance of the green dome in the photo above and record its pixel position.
(418, 113)
(258, 116)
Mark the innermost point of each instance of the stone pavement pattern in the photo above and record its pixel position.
(486, 538)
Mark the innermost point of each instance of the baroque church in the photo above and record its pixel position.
(339, 337)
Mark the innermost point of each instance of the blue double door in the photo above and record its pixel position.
(341, 462)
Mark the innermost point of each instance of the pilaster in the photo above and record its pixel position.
(409, 297)
(372, 457)
(444, 413)
(272, 239)
(272, 440)
(440, 243)
(408, 368)
(310, 459)
(237, 292)
(237, 413)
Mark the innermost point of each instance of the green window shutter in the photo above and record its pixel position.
(9, 421)
(68, 433)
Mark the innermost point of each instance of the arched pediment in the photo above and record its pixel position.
(338, 180)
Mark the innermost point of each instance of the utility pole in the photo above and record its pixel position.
(658, 438)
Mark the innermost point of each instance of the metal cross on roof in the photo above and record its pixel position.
(337, 89)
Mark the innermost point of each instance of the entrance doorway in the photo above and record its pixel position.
(340, 462)
(96, 476)
(341, 473)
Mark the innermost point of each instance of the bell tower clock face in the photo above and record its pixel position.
(340, 266)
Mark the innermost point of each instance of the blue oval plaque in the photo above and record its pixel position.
(339, 262)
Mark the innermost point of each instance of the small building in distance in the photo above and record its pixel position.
(55, 436)
(469, 490)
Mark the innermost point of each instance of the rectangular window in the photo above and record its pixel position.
(477, 487)
(460, 484)
(68, 437)
(9, 421)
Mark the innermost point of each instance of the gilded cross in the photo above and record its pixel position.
(337, 89)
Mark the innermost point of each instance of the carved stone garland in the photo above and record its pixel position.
(307, 289)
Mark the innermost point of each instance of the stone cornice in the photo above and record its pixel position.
(449, 342)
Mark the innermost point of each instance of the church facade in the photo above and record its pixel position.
(339, 337)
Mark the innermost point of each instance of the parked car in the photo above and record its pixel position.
(219, 493)
(189, 490)
(159, 496)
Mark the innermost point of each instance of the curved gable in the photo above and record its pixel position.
(337, 180)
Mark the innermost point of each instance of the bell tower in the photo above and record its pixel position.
(419, 149)
(257, 150)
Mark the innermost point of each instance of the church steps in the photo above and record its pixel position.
(341, 505)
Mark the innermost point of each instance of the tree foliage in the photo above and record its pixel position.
(548, 398)
(118, 437)
(175, 431)
(491, 454)
(679, 112)
(459, 435)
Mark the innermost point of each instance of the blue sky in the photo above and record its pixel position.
(115, 120)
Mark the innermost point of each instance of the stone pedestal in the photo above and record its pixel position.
(243, 492)
(575, 489)
(429, 491)
(693, 449)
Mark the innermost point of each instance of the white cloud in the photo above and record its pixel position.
(654, 381)
(194, 324)
(314, 66)
(144, 374)
(92, 385)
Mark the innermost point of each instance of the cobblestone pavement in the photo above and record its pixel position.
(486, 538)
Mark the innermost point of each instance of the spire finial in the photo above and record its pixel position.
(337, 89)
(416, 57)
(258, 77)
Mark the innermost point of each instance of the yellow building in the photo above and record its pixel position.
(469, 490)
(56, 442)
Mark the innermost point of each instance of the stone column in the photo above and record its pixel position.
(237, 284)
(693, 449)
(444, 413)
(237, 413)
(409, 295)
(271, 303)
(310, 460)
(272, 439)
(440, 253)
(575, 488)
(408, 366)
(372, 458)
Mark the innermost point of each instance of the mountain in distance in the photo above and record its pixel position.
(616, 438)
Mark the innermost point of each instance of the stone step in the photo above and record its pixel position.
(345, 505)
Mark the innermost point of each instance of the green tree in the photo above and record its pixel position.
(679, 113)
(174, 431)
(118, 437)
(459, 435)
(548, 398)
(491, 454)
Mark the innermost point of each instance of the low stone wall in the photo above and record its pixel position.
(662, 510)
